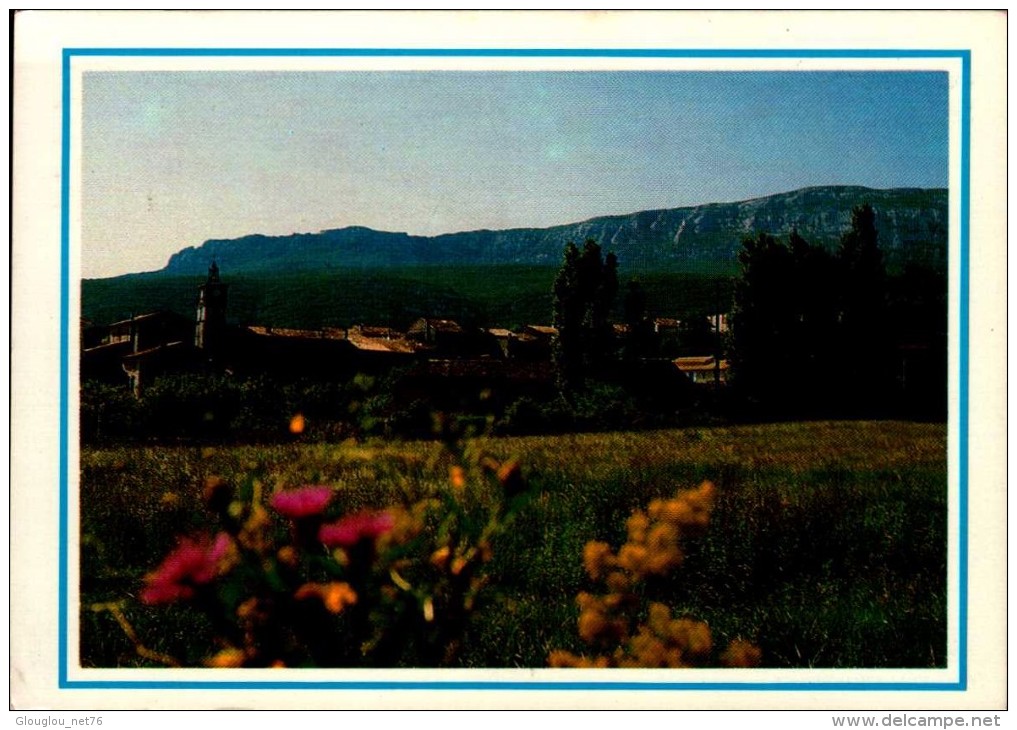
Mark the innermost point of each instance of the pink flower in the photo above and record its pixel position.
(353, 528)
(302, 502)
(191, 563)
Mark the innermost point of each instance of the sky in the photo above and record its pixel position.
(172, 159)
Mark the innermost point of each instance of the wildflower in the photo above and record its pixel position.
(334, 596)
(457, 476)
(301, 502)
(618, 582)
(693, 636)
(288, 556)
(440, 557)
(227, 658)
(595, 623)
(637, 525)
(254, 534)
(192, 563)
(353, 528)
(252, 611)
(649, 650)
(633, 557)
(297, 424)
(597, 558)
(741, 653)
(510, 475)
(659, 618)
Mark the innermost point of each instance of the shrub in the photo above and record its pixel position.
(616, 624)
(292, 579)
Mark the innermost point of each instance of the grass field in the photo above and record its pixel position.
(826, 548)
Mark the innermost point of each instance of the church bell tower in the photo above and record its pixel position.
(210, 326)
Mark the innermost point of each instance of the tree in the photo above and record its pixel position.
(784, 324)
(762, 320)
(866, 370)
(568, 320)
(584, 293)
(639, 338)
(810, 331)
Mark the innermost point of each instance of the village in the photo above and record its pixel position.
(134, 352)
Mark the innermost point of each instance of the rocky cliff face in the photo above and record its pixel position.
(912, 226)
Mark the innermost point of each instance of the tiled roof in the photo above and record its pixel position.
(327, 334)
(699, 364)
(542, 329)
(382, 344)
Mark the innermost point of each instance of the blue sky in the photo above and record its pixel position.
(171, 159)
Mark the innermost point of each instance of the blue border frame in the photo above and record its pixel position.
(964, 292)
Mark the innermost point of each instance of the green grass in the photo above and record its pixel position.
(827, 546)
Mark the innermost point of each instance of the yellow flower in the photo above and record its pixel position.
(561, 658)
(637, 525)
(439, 558)
(618, 582)
(251, 610)
(633, 557)
(287, 555)
(334, 596)
(692, 636)
(337, 596)
(662, 536)
(592, 624)
(659, 618)
(648, 650)
(255, 533)
(227, 658)
(597, 558)
(741, 653)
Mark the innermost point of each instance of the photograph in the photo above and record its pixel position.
(479, 443)
(533, 368)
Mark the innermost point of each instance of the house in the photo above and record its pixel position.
(141, 346)
(444, 335)
(703, 369)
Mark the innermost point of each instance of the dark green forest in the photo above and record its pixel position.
(493, 296)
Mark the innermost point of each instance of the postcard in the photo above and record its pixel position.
(484, 359)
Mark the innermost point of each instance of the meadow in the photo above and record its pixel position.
(826, 546)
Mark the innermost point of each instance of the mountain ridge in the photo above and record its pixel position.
(912, 223)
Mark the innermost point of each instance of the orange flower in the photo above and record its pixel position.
(741, 653)
(439, 558)
(288, 556)
(297, 424)
(597, 558)
(227, 659)
(334, 596)
(457, 476)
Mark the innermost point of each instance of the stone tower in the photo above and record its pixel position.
(210, 326)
